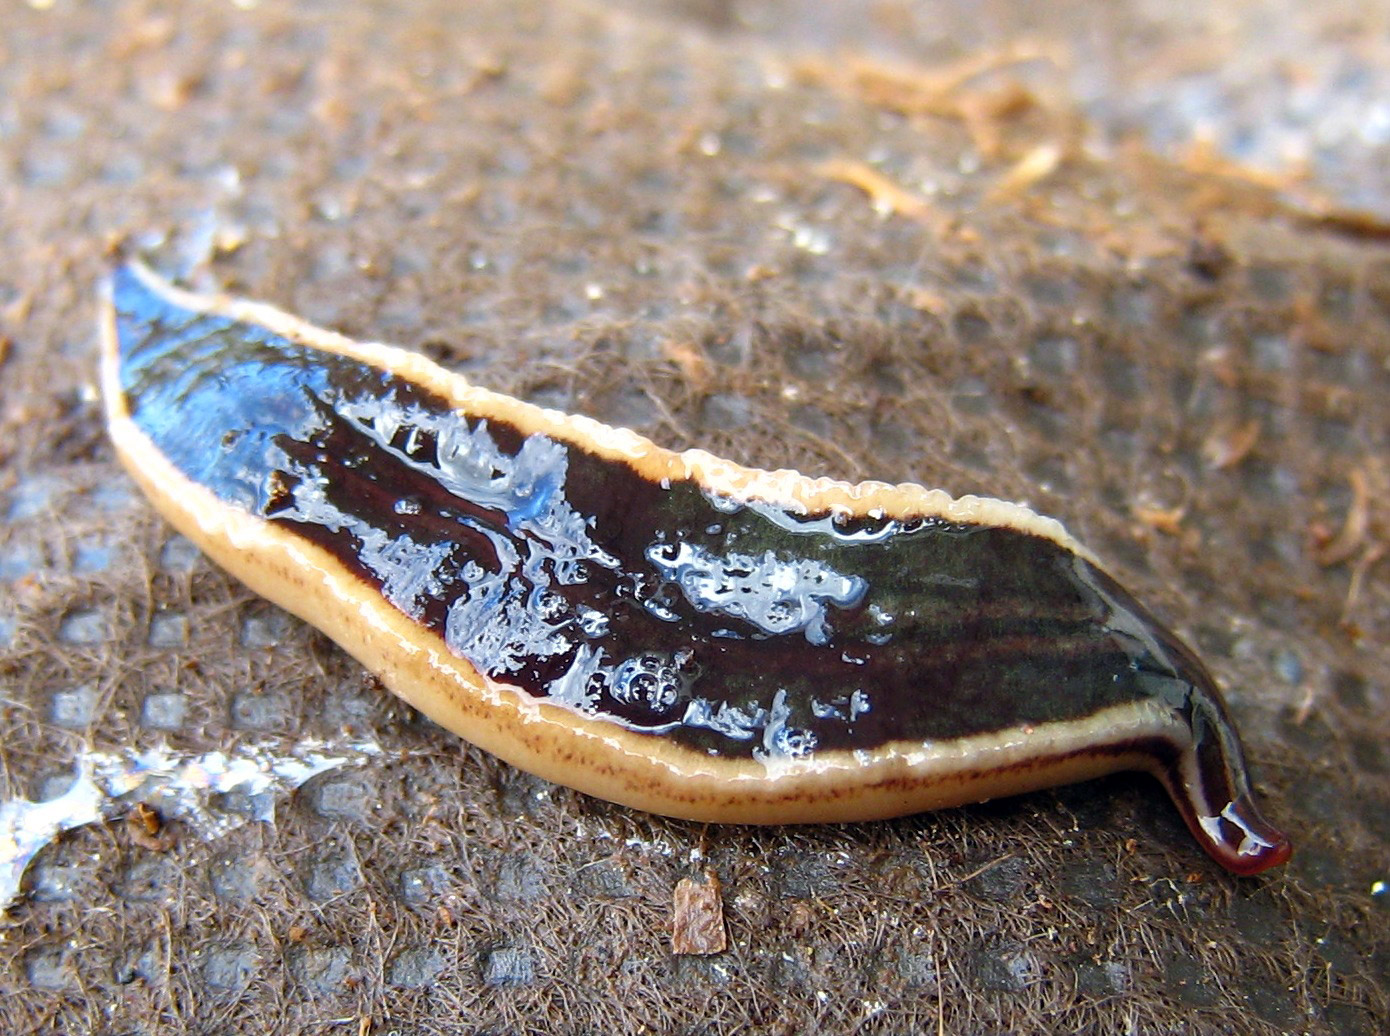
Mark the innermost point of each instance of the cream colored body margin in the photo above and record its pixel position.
(592, 755)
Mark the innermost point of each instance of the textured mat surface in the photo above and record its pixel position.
(926, 265)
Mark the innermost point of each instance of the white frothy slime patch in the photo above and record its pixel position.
(178, 784)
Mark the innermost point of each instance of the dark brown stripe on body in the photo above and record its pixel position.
(654, 606)
(724, 644)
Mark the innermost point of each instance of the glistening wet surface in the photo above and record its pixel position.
(736, 627)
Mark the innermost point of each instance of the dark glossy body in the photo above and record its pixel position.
(732, 627)
(893, 629)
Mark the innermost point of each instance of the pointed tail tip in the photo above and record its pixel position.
(1242, 840)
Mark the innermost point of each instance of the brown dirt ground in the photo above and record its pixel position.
(754, 242)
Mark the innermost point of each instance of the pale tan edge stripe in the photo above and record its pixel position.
(596, 756)
(785, 488)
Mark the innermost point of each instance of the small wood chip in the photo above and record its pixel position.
(1230, 443)
(1030, 170)
(1167, 520)
(147, 829)
(885, 196)
(697, 917)
(1368, 559)
(1348, 541)
(691, 362)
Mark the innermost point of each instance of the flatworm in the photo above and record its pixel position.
(670, 631)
